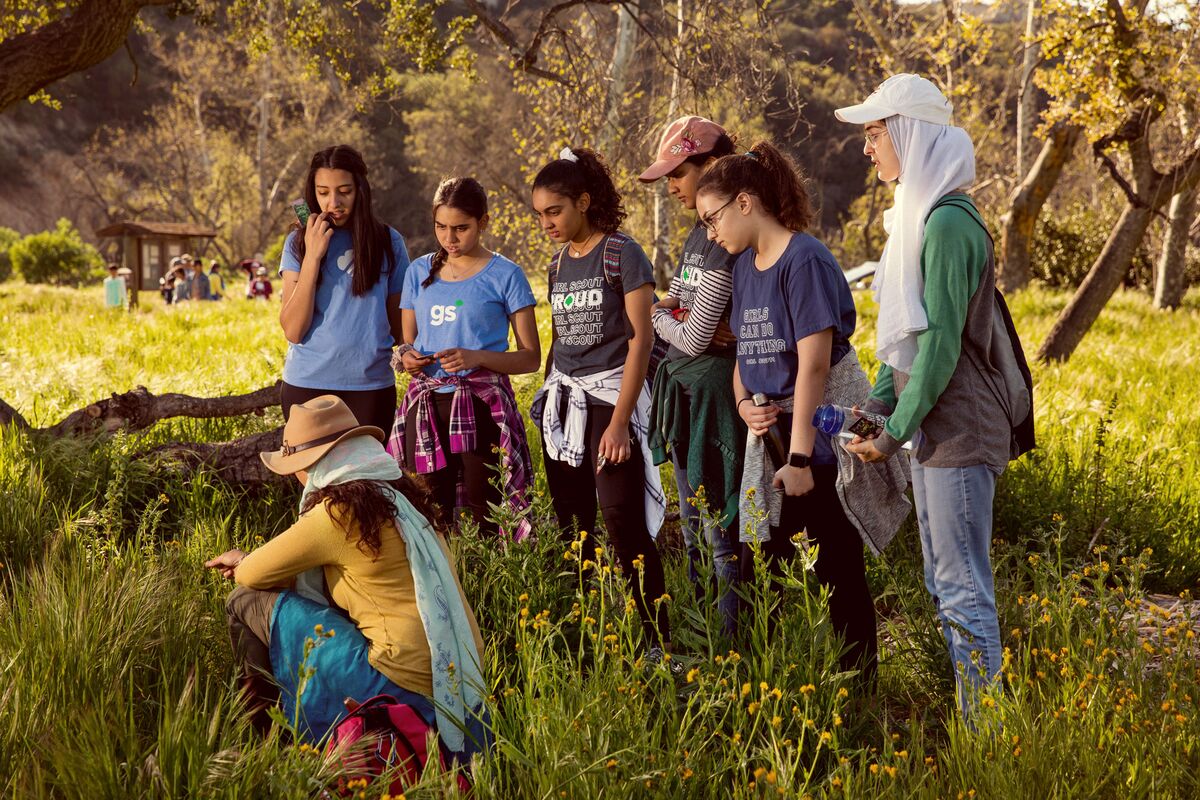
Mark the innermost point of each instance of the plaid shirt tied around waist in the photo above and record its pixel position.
(493, 390)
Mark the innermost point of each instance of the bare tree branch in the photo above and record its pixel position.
(37, 58)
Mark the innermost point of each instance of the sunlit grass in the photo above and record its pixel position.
(116, 678)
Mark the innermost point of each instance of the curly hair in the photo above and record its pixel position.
(364, 504)
(769, 175)
(588, 173)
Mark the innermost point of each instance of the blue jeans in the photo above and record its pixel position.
(954, 512)
(723, 542)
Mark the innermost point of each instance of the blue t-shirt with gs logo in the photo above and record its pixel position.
(472, 314)
(348, 345)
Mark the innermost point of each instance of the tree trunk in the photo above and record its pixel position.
(1013, 271)
(1027, 95)
(237, 462)
(37, 58)
(661, 257)
(1102, 280)
(1169, 282)
(618, 75)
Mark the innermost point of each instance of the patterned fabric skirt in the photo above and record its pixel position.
(319, 658)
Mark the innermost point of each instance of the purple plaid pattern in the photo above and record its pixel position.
(496, 392)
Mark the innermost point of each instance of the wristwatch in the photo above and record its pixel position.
(799, 460)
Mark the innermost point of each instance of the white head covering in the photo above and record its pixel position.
(934, 160)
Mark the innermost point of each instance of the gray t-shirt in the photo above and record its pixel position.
(589, 317)
(701, 256)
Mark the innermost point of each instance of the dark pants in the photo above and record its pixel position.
(840, 566)
(371, 407)
(475, 469)
(248, 616)
(620, 492)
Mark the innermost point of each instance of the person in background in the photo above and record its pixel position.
(115, 293)
(217, 282)
(259, 287)
(201, 287)
(693, 420)
(183, 283)
(166, 287)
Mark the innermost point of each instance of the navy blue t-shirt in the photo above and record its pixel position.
(802, 293)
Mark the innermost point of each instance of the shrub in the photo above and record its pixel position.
(59, 256)
(8, 237)
(1067, 242)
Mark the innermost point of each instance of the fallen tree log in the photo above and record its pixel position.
(236, 462)
(139, 409)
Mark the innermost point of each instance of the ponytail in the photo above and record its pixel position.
(769, 175)
(468, 196)
(586, 173)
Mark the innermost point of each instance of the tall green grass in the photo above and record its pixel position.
(116, 678)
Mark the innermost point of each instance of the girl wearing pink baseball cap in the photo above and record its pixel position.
(692, 418)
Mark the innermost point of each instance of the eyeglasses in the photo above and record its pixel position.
(710, 222)
(871, 137)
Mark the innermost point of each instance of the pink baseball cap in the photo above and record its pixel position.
(686, 136)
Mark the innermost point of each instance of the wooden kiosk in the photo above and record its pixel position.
(146, 248)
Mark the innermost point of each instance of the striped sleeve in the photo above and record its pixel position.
(695, 335)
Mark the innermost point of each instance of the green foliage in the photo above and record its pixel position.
(59, 256)
(8, 237)
(1067, 242)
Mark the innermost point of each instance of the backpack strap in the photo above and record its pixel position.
(614, 243)
(555, 261)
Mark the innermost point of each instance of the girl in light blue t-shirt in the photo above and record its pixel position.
(456, 310)
(342, 278)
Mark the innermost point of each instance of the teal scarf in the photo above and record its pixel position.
(457, 676)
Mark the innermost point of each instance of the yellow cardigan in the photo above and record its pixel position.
(377, 593)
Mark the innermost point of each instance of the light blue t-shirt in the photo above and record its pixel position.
(472, 313)
(349, 342)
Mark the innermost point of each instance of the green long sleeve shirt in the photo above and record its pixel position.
(954, 254)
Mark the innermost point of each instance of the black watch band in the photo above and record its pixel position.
(799, 460)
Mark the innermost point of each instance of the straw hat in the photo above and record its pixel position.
(313, 429)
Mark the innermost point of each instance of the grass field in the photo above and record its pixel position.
(116, 678)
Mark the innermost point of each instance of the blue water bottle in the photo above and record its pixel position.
(847, 423)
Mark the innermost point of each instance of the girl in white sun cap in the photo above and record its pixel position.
(935, 287)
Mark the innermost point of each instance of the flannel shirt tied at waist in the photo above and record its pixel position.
(429, 455)
(565, 438)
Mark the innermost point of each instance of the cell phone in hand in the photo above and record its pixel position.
(302, 212)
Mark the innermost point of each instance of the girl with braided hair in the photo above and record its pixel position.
(458, 305)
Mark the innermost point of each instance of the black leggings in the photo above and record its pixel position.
(840, 566)
(371, 407)
(475, 469)
(620, 491)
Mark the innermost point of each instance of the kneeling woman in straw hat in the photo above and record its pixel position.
(400, 624)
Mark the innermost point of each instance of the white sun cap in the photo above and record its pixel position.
(905, 94)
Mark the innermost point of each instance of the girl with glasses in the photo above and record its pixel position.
(793, 316)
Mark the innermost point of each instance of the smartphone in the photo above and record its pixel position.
(302, 212)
